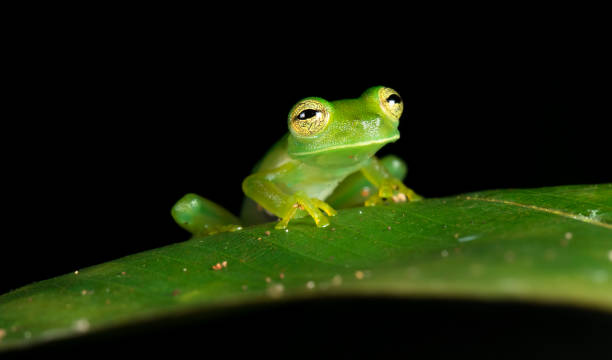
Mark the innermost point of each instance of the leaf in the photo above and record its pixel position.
(548, 245)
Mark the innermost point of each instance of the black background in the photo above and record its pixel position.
(115, 126)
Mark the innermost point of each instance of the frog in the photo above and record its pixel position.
(326, 161)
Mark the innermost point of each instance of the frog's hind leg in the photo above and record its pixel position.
(202, 217)
(355, 189)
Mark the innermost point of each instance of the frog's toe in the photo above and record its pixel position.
(324, 206)
(201, 216)
(374, 200)
(223, 228)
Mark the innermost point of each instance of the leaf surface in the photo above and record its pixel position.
(548, 245)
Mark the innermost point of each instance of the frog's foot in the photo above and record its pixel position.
(392, 190)
(211, 230)
(301, 201)
(202, 217)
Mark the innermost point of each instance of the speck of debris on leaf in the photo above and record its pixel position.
(217, 266)
(76, 272)
(259, 238)
(337, 280)
(388, 227)
(281, 275)
(359, 274)
(2, 333)
(268, 280)
(569, 235)
(267, 233)
(175, 292)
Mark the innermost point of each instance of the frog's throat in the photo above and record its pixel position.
(346, 146)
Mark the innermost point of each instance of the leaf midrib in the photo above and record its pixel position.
(557, 212)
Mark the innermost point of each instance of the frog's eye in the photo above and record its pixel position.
(391, 102)
(308, 117)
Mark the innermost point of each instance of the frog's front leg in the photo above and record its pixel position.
(261, 188)
(389, 187)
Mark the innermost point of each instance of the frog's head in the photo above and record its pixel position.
(344, 132)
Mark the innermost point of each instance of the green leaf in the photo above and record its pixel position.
(549, 245)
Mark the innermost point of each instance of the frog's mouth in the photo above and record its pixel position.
(379, 142)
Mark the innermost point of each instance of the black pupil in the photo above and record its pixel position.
(394, 99)
(307, 114)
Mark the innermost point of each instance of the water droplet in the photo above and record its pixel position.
(275, 291)
(467, 238)
(81, 325)
(593, 215)
(600, 276)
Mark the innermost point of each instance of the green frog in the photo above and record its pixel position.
(326, 161)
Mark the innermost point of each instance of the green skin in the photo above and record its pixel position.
(316, 168)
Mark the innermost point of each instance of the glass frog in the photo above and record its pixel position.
(325, 161)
